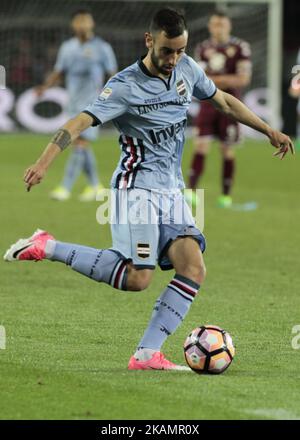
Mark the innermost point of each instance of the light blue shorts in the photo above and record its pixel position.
(144, 224)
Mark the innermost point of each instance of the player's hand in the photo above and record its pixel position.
(282, 142)
(34, 175)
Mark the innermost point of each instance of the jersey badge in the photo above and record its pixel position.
(180, 87)
(217, 62)
(143, 250)
(105, 94)
(88, 52)
(230, 51)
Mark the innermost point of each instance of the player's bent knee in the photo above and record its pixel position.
(138, 280)
(202, 273)
(138, 284)
(195, 272)
(199, 274)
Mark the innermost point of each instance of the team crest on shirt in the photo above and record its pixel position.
(230, 51)
(217, 62)
(180, 87)
(143, 250)
(105, 94)
(88, 52)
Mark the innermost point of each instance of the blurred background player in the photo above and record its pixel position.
(294, 91)
(84, 61)
(226, 60)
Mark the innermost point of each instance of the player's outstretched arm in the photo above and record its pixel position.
(53, 79)
(234, 108)
(60, 141)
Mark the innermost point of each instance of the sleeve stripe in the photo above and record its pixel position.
(209, 97)
(96, 120)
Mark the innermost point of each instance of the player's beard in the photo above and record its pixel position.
(84, 35)
(155, 61)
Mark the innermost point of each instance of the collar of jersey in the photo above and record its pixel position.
(148, 73)
(87, 41)
(222, 45)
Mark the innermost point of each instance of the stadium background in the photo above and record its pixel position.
(68, 340)
(32, 31)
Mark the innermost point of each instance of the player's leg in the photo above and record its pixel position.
(204, 128)
(102, 265)
(179, 249)
(73, 169)
(175, 301)
(228, 171)
(187, 259)
(81, 159)
(128, 265)
(201, 149)
(90, 166)
(229, 135)
(105, 265)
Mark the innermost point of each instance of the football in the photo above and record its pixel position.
(209, 350)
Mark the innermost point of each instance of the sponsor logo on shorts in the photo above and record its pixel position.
(143, 250)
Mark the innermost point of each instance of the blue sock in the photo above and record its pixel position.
(98, 264)
(90, 166)
(73, 168)
(169, 311)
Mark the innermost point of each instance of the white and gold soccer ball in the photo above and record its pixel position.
(209, 350)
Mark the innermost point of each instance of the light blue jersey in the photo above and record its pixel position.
(84, 66)
(150, 114)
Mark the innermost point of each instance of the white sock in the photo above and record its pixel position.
(144, 354)
(49, 248)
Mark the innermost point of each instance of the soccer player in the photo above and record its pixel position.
(84, 60)
(294, 92)
(148, 102)
(226, 60)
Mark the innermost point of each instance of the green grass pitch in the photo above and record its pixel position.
(69, 339)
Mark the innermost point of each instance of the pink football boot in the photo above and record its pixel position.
(32, 248)
(157, 362)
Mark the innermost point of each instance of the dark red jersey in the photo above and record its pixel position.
(222, 59)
